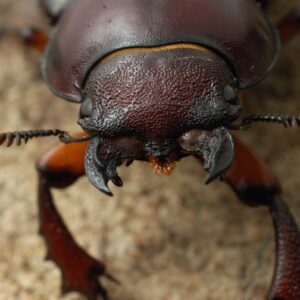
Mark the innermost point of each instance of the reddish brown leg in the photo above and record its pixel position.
(80, 272)
(34, 38)
(255, 184)
(30, 36)
(264, 3)
(54, 8)
(289, 25)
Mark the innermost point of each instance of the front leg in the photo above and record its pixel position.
(80, 272)
(289, 25)
(255, 185)
(264, 3)
(32, 36)
(54, 8)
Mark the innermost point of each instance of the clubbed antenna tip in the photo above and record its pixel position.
(286, 121)
(18, 137)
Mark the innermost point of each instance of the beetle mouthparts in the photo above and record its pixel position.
(103, 155)
(161, 168)
(215, 148)
(100, 172)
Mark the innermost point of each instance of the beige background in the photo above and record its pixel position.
(165, 238)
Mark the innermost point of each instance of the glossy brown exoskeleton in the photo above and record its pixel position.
(158, 81)
(127, 78)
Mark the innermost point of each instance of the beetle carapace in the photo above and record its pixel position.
(241, 34)
(159, 75)
(157, 80)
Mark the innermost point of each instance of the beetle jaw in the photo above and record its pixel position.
(214, 148)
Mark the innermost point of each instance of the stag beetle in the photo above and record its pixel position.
(158, 81)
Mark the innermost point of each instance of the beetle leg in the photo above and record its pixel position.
(289, 25)
(264, 3)
(54, 8)
(255, 184)
(34, 38)
(60, 168)
(30, 36)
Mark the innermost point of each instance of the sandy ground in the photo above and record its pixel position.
(165, 238)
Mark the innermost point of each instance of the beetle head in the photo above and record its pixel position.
(158, 104)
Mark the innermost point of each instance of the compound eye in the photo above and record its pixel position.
(231, 96)
(86, 108)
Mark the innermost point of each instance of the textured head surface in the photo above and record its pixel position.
(157, 95)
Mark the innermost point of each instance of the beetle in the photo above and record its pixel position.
(117, 58)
